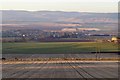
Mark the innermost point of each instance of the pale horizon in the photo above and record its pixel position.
(98, 6)
(55, 11)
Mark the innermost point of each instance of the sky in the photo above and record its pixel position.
(61, 5)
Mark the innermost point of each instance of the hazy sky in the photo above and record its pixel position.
(61, 5)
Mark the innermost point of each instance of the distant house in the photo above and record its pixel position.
(115, 39)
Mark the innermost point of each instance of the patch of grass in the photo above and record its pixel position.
(57, 47)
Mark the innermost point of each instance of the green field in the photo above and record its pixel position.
(57, 47)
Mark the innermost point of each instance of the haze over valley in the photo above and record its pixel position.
(57, 20)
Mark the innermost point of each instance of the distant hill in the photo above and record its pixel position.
(56, 20)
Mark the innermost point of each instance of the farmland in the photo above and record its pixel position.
(59, 60)
(60, 69)
(58, 47)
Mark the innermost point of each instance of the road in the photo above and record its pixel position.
(81, 55)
